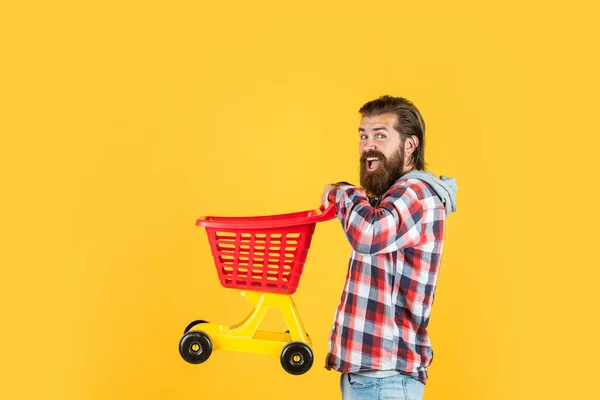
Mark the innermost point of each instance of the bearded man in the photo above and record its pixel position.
(395, 225)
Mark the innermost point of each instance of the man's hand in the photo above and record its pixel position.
(325, 195)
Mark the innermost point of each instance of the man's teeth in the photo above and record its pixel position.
(372, 159)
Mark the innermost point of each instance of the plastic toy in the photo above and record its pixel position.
(263, 257)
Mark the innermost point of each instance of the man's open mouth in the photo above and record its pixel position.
(373, 163)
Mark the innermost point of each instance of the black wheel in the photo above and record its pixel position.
(195, 347)
(194, 323)
(296, 358)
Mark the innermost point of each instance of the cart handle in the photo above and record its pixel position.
(270, 221)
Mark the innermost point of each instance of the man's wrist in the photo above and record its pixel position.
(332, 196)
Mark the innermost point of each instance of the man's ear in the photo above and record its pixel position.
(410, 145)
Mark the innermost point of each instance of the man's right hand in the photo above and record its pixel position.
(325, 194)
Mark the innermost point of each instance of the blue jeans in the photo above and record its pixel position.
(397, 387)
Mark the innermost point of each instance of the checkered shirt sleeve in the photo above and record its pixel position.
(394, 225)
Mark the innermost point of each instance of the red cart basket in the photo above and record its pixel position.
(266, 253)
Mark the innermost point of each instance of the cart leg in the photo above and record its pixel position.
(262, 302)
(250, 324)
(293, 321)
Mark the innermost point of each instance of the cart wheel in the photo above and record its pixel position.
(296, 358)
(195, 347)
(194, 323)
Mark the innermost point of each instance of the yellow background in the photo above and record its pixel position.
(121, 122)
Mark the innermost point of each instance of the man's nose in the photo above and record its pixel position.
(370, 144)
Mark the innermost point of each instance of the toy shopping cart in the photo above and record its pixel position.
(262, 257)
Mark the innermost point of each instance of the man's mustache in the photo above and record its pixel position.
(372, 153)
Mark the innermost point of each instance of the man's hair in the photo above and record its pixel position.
(409, 122)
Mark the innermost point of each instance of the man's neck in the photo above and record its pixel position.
(407, 170)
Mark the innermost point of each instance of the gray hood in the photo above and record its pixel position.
(444, 187)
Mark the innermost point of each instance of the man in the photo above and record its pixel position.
(379, 340)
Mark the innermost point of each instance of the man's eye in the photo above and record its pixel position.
(381, 136)
(363, 137)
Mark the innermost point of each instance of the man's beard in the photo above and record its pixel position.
(390, 169)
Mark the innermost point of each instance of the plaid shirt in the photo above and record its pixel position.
(381, 321)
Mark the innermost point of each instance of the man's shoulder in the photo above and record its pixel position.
(418, 188)
(414, 185)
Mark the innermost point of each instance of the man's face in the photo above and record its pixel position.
(381, 153)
